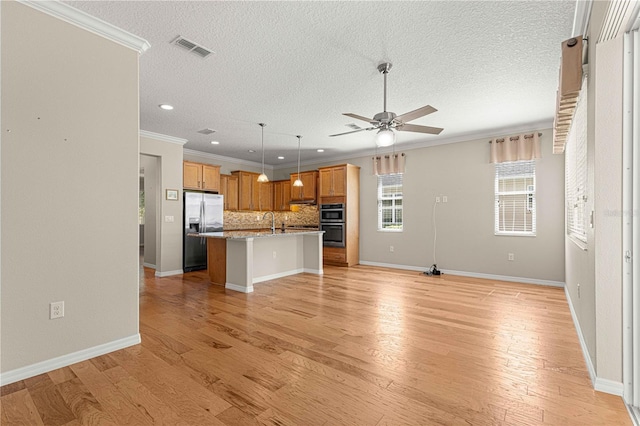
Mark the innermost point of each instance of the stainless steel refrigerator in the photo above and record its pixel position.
(202, 213)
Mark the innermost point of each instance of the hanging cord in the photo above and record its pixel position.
(435, 232)
(433, 269)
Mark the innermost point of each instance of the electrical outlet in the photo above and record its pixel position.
(511, 257)
(56, 310)
(444, 198)
(274, 254)
(391, 249)
(437, 199)
(578, 290)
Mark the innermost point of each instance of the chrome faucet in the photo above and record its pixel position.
(273, 221)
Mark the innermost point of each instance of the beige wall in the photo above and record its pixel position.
(151, 220)
(69, 188)
(465, 224)
(169, 235)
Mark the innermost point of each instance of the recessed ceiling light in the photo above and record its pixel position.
(280, 157)
(215, 143)
(252, 151)
(166, 107)
(320, 150)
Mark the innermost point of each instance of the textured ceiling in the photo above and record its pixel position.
(296, 66)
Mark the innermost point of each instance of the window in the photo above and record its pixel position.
(576, 172)
(390, 202)
(515, 198)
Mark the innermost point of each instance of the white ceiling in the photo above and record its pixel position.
(487, 66)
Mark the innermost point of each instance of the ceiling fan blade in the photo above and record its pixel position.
(353, 131)
(358, 117)
(419, 129)
(416, 113)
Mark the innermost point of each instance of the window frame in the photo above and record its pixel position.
(510, 171)
(395, 225)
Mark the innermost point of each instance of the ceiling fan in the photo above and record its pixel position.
(386, 121)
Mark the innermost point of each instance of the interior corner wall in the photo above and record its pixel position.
(69, 189)
(169, 241)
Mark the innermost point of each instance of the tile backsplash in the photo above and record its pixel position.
(306, 215)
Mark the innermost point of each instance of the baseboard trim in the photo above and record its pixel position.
(608, 386)
(634, 413)
(314, 271)
(241, 289)
(602, 385)
(393, 266)
(257, 280)
(169, 273)
(65, 360)
(583, 343)
(469, 274)
(149, 265)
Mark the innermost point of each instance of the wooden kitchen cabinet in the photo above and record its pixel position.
(203, 177)
(253, 195)
(281, 195)
(229, 189)
(333, 181)
(308, 192)
(341, 184)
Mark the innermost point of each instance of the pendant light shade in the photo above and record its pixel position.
(385, 137)
(263, 177)
(298, 182)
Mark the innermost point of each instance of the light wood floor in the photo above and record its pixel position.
(357, 346)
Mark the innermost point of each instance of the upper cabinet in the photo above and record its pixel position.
(253, 195)
(281, 195)
(307, 192)
(203, 177)
(333, 181)
(229, 190)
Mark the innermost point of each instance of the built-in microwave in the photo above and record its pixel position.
(332, 212)
(333, 234)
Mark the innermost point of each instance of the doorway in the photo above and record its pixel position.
(148, 211)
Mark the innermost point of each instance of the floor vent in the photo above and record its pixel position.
(192, 47)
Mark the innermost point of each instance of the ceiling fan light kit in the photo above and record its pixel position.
(263, 177)
(386, 121)
(385, 137)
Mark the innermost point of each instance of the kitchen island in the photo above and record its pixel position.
(240, 259)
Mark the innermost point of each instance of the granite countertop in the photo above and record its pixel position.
(255, 233)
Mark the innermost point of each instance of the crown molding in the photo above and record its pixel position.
(90, 23)
(227, 159)
(163, 138)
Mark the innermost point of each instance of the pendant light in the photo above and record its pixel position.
(262, 178)
(298, 182)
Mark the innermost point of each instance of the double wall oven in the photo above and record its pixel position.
(332, 222)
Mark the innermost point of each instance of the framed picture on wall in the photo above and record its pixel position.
(172, 194)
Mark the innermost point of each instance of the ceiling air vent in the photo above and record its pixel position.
(192, 47)
(353, 126)
(206, 131)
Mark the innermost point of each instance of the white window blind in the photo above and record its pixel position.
(390, 202)
(515, 198)
(576, 171)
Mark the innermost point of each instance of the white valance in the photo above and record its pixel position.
(515, 148)
(388, 164)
